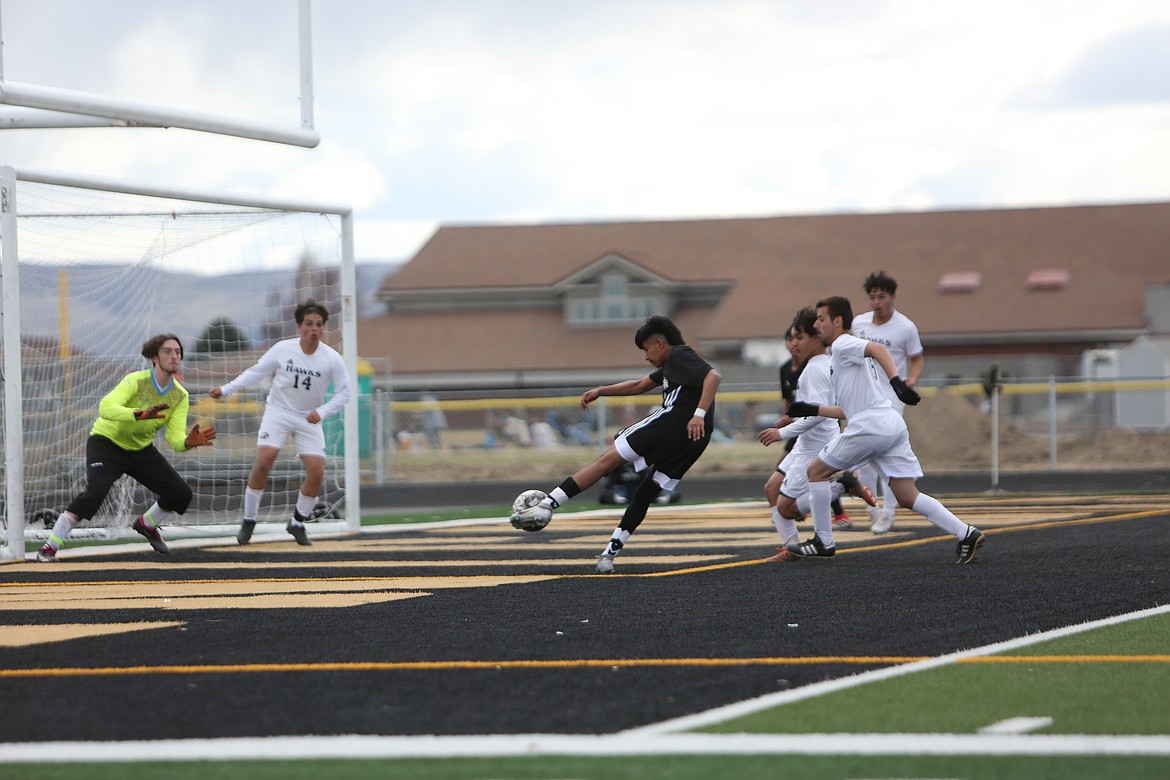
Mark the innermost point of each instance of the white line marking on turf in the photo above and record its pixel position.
(1019, 725)
(720, 714)
(582, 745)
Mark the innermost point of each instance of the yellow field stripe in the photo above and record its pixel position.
(395, 666)
(585, 663)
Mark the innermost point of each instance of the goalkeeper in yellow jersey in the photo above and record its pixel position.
(122, 442)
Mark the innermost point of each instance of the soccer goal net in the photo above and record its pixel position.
(92, 270)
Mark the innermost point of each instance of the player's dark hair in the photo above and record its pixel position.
(805, 321)
(310, 306)
(658, 325)
(153, 344)
(838, 306)
(880, 280)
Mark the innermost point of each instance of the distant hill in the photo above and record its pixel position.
(110, 312)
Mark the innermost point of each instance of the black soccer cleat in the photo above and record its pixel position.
(244, 535)
(813, 548)
(969, 547)
(299, 532)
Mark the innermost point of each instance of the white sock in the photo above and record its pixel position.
(155, 516)
(933, 510)
(821, 495)
(804, 503)
(305, 504)
(785, 527)
(616, 542)
(252, 503)
(555, 499)
(65, 523)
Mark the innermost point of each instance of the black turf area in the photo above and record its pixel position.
(897, 601)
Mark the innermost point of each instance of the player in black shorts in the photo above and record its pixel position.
(663, 445)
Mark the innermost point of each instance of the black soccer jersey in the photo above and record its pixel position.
(660, 440)
(682, 378)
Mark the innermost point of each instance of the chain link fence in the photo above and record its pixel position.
(1054, 424)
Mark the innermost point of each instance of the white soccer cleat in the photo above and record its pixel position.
(528, 514)
(605, 564)
(881, 520)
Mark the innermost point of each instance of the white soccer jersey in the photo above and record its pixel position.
(299, 380)
(857, 380)
(815, 387)
(899, 335)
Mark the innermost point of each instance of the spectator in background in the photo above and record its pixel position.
(432, 421)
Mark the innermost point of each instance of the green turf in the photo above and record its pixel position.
(1081, 698)
(623, 768)
(926, 703)
(1148, 636)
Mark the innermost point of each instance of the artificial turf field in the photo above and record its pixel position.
(415, 642)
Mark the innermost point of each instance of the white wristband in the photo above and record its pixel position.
(700, 413)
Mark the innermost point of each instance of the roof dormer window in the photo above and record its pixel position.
(1048, 279)
(959, 282)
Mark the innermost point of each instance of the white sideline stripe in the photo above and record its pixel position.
(581, 745)
(720, 714)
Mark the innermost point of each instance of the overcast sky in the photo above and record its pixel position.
(507, 111)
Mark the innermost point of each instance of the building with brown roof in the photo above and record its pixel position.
(557, 305)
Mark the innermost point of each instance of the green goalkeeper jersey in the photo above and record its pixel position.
(139, 391)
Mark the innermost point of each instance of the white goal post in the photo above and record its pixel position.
(92, 268)
(45, 106)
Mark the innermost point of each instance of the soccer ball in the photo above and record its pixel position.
(527, 513)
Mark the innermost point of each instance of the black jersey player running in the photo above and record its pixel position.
(664, 444)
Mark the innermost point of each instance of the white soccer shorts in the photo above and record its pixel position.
(795, 468)
(278, 425)
(878, 437)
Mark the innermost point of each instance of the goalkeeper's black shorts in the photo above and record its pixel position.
(105, 462)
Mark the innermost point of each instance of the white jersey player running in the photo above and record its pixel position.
(887, 326)
(301, 369)
(875, 433)
(787, 488)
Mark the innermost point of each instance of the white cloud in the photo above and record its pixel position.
(497, 110)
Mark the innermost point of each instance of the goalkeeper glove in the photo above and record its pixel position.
(906, 394)
(803, 409)
(153, 413)
(200, 436)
